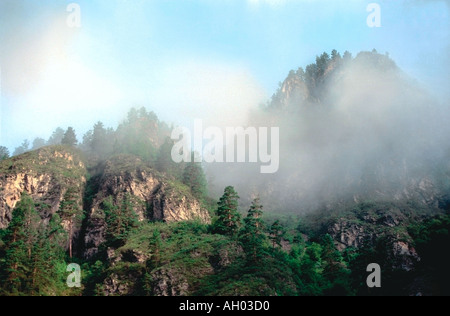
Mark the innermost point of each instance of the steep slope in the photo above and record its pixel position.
(167, 260)
(351, 129)
(49, 175)
(153, 197)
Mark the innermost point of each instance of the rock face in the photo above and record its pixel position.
(170, 283)
(46, 175)
(155, 198)
(380, 225)
(347, 234)
(405, 257)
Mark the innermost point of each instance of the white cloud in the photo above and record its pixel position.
(219, 93)
(68, 94)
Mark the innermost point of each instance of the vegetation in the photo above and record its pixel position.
(228, 219)
(229, 257)
(4, 153)
(194, 177)
(321, 253)
(32, 261)
(69, 139)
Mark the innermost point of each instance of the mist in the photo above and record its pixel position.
(364, 130)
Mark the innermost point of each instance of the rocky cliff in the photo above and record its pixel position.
(382, 226)
(155, 198)
(46, 175)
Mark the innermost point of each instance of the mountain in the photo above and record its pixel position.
(60, 186)
(364, 178)
(48, 176)
(351, 129)
(152, 196)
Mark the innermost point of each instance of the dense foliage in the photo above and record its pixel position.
(247, 257)
(238, 253)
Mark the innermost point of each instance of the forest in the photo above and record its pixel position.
(248, 236)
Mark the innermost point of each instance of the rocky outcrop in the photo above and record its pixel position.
(169, 282)
(372, 226)
(404, 256)
(423, 190)
(45, 175)
(12, 187)
(292, 91)
(121, 284)
(170, 205)
(347, 234)
(155, 198)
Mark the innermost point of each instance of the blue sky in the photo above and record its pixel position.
(187, 59)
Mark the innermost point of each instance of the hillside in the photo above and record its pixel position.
(364, 178)
(351, 129)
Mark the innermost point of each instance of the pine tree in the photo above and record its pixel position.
(38, 143)
(21, 236)
(71, 212)
(139, 135)
(300, 73)
(120, 220)
(69, 139)
(252, 236)
(330, 255)
(48, 254)
(98, 137)
(276, 233)
(347, 56)
(56, 137)
(4, 153)
(194, 177)
(165, 163)
(311, 271)
(33, 252)
(228, 220)
(155, 245)
(102, 141)
(22, 148)
(335, 55)
(335, 271)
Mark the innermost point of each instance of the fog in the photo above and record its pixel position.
(367, 132)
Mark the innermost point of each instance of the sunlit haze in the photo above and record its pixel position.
(213, 60)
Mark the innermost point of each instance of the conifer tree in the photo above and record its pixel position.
(228, 220)
(165, 163)
(276, 233)
(69, 139)
(194, 177)
(4, 153)
(71, 212)
(155, 245)
(252, 236)
(120, 220)
(47, 255)
(21, 236)
(56, 137)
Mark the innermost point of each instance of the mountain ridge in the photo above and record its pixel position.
(364, 179)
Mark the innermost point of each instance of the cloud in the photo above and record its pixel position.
(68, 94)
(198, 89)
